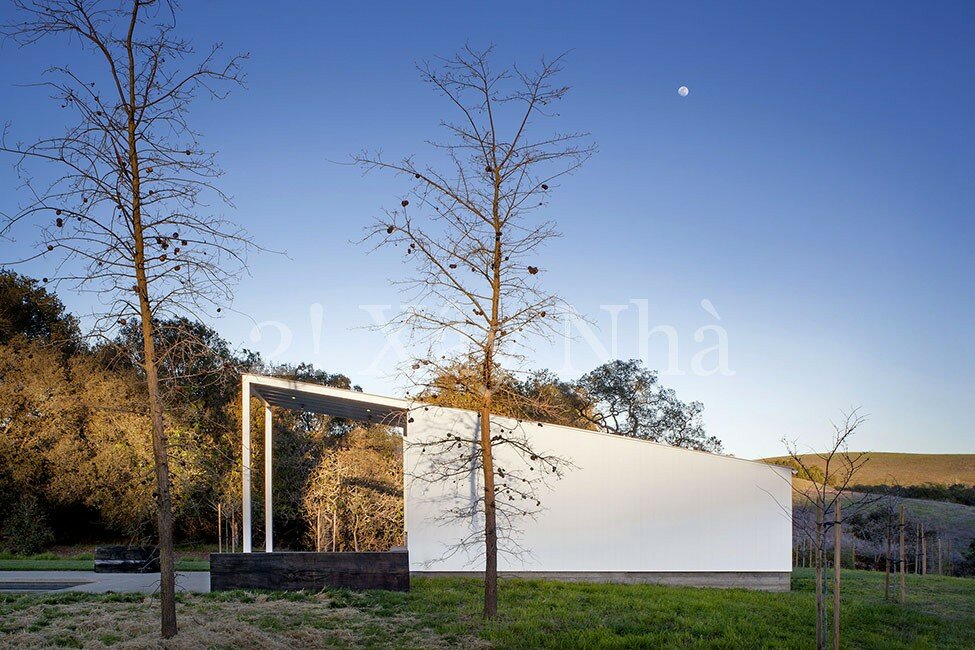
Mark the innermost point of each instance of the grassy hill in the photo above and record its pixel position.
(949, 521)
(908, 469)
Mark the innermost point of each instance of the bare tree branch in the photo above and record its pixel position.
(471, 234)
(124, 209)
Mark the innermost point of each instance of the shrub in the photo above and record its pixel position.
(26, 530)
(813, 473)
(967, 566)
(956, 493)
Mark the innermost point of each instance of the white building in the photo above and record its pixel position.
(626, 509)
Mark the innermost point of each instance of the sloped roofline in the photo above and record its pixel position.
(369, 407)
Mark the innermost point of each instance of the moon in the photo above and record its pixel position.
(683, 90)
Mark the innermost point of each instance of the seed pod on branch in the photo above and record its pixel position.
(486, 222)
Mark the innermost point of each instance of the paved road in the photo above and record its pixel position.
(98, 583)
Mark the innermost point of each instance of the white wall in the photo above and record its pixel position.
(628, 505)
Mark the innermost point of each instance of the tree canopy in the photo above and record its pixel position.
(27, 309)
(620, 397)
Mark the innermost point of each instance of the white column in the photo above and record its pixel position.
(268, 476)
(245, 433)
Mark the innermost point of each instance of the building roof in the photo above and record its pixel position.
(336, 402)
(379, 409)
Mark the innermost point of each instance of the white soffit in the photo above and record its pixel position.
(335, 402)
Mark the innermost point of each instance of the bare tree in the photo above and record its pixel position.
(353, 499)
(877, 526)
(123, 207)
(476, 249)
(829, 474)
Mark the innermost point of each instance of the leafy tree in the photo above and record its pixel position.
(37, 409)
(625, 398)
(199, 378)
(196, 366)
(29, 310)
(619, 397)
(812, 473)
(106, 462)
(547, 398)
(73, 432)
(308, 373)
(73, 423)
(539, 396)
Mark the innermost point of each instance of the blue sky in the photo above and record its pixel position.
(815, 187)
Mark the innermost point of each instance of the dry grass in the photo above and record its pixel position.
(909, 469)
(236, 620)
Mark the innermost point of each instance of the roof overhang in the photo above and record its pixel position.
(335, 402)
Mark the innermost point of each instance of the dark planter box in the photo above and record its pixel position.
(126, 559)
(310, 571)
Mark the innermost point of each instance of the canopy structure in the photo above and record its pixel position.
(300, 396)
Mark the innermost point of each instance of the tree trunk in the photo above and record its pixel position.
(917, 549)
(160, 453)
(837, 556)
(887, 565)
(219, 530)
(490, 514)
(820, 604)
(924, 552)
(318, 531)
(903, 562)
(487, 449)
(335, 528)
(160, 447)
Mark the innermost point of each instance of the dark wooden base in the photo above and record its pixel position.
(126, 559)
(310, 571)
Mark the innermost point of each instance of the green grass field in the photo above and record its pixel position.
(444, 612)
(78, 562)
